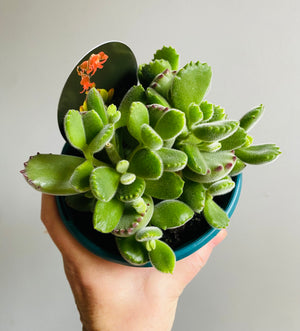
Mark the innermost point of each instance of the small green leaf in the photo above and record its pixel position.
(155, 113)
(207, 110)
(171, 214)
(196, 161)
(80, 178)
(148, 233)
(101, 139)
(168, 186)
(146, 164)
(74, 129)
(122, 166)
(171, 124)
(163, 257)
(49, 173)
(132, 251)
(153, 97)
(218, 115)
(173, 159)
(135, 190)
(221, 187)
(215, 215)
(238, 167)
(94, 101)
(163, 82)
(248, 121)
(92, 125)
(107, 215)
(236, 140)
(147, 72)
(150, 137)
(104, 182)
(194, 114)
(216, 130)
(137, 117)
(169, 54)
(194, 195)
(136, 93)
(258, 154)
(127, 179)
(190, 85)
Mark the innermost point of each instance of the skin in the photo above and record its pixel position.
(112, 297)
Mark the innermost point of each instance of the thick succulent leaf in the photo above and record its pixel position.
(132, 221)
(196, 161)
(173, 159)
(205, 146)
(107, 215)
(168, 186)
(221, 187)
(194, 195)
(194, 114)
(219, 165)
(153, 97)
(80, 178)
(163, 82)
(215, 130)
(207, 110)
(155, 113)
(122, 166)
(150, 138)
(127, 179)
(80, 202)
(94, 101)
(74, 129)
(218, 115)
(163, 257)
(146, 164)
(169, 54)
(135, 190)
(132, 251)
(101, 139)
(147, 72)
(190, 85)
(136, 93)
(248, 121)
(215, 216)
(148, 233)
(49, 173)
(171, 214)
(238, 167)
(258, 154)
(137, 117)
(171, 124)
(236, 140)
(92, 125)
(104, 182)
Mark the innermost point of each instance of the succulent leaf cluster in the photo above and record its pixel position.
(152, 162)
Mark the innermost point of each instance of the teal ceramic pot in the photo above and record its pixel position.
(184, 240)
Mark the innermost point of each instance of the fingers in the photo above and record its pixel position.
(188, 268)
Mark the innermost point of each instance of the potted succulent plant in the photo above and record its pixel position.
(143, 161)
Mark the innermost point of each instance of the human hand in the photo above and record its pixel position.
(112, 297)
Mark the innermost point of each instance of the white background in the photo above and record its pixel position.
(252, 279)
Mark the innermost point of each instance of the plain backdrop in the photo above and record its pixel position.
(251, 282)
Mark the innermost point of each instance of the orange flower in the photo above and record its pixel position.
(85, 82)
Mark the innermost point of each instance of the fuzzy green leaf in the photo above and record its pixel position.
(137, 117)
(101, 139)
(148, 233)
(74, 129)
(194, 114)
(194, 195)
(147, 72)
(171, 124)
(94, 101)
(221, 187)
(146, 164)
(236, 140)
(150, 137)
(132, 251)
(135, 93)
(207, 110)
(92, 125)
(168, 186)
(215, 215)
(155, 113)
(258, 154)
(163, 257)
(107, 215)
(238, 167)
(171, 214)
(196, 161)
(163, 82)
(248, 121)
(49, 173)
(218, 115)
(135, 190)
(153, 97)
(216, 130)
(169, 54)
(190, 85)
(104, 182)
(173, 159)
(80, 178)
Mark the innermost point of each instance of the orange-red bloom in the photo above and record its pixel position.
(88, 68)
